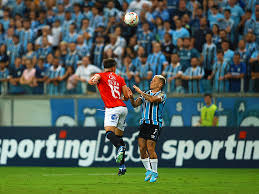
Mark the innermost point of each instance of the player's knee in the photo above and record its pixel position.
(142, 149)
(108, 134)
(151, 150)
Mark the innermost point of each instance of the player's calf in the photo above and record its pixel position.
(113, 139)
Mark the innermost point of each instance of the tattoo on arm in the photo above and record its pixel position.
(135, 103)
(147, 96)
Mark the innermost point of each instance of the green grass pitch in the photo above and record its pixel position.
(105, 180)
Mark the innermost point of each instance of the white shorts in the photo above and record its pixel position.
(116, 117)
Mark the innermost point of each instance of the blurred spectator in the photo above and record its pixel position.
(195, 19)
(3, 53)
(127, 71)
(172, 5)
(208, 55)
(84, 71)
(199, 35)
(256, 26)
(157, 60)
(167, 28)
(178, 13)
(167, 47)
(97, 51)
(6, 19)
(77, 16)
(2, 34)
(131, 47)
(228, 54)
(143, 74)
(192, 5)
(236, 74)
(179, 89)
(15, 75)
(15, 49)
(250, 43)
(173, 72)
(63, 52)
(248, 22)
(116, 49)
(41, 76)
(72, 58)
(136, 5)
(236, 11)
(215, 35)
(45, 49)
(215, 16)
(187, 53)
(193, 75)
(66, 23)
(158, 29)
(110, 11)
(120, 41)
(45, 33)
(56, 71)
(56, 33)
(228, 24)
(4, 75)
(179, 32)
(161, 11)
(28, 79)
(244, 55)
(220, 69)
(87, 32)
(254, 61)
(71, 36)
(81, 47)
(30, 54)
(146, 38)
(28, 35)
(96, 18)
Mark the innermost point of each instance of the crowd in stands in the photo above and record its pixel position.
(54, 46)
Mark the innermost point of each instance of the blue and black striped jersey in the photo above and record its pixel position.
(152, 112)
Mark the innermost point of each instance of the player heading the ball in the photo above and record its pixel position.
(111, 87)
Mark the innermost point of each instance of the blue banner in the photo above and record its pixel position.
(85, 147)
(178, 112)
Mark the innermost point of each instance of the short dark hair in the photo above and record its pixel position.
(220, 51)
(237, 53)
(227, 10)
(108, 63)
(208, 94)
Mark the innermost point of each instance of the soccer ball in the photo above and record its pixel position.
(131, 19)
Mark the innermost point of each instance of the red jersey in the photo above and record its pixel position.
(110, 88)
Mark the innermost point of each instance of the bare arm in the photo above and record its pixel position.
(215, 121)
(147, 96)
(238, 76)
(95, 79)
(125, 92)
(134, 103)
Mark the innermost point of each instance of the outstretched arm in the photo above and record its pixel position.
(147, 96)
(95, 79)
(125, 93)
(134, 103)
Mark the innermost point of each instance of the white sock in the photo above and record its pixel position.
(154, 163)
(146, 163)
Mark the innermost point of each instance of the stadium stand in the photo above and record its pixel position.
(199, 45)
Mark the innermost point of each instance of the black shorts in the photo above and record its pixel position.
(149, 131)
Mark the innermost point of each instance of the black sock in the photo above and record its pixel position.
(113, 139)
(123, 144)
